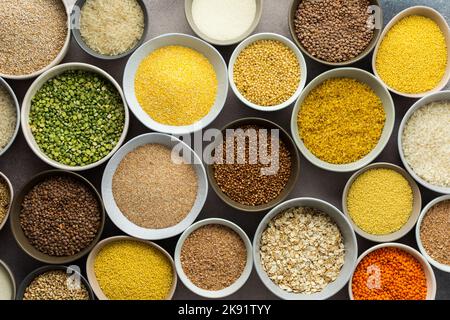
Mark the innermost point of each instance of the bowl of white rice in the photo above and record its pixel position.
(424, 141)
(9, 116)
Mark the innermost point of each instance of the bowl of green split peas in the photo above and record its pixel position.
(74, 116)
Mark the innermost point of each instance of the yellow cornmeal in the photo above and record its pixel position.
(132, 270)
(380, 201)
(412, 57)
(176, 85)
(341, 120)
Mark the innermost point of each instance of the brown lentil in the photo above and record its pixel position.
(5, 199)
(244, 182)
(213, 257)
(434, 232)
(60, 216)
(333, 30)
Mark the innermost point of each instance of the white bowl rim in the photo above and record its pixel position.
(7, 87)
(394, 20)
(178, 130)
(27, 102)
(432, 203)
(238, 283)
(11, 198)
(11, 278)
(435, 97)
(269, 36)
(416, 254)
(56, 60)
(367, 159)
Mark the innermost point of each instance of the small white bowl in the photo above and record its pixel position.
(26, 106)
(8, 272)
(442, 23)
(119, 219)
(175, 39)
(440, 266)
(380, 91)
(290, 45)
(11, 197)
(58, 58)
(239, 282)
(350, 244)
(434, 97)
(429, 273)
(417, 204)
(6, 86)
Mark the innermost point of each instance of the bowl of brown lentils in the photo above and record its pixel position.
(334, 32)
(57, 217)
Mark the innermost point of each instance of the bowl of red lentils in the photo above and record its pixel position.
(392, 271)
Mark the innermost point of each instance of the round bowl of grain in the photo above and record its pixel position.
(213, 258)
(150, 190)
(6, 198)
(32, 45)
(10, 116)
(424, 140)
(310, 230)
(261, 82)
(343, 119)
(7, 283)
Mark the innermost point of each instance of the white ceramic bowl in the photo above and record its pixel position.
(381, 92)
(417, 204)
(440, 266)
(442, 23)
(6, 86)
(119, 219)
(290, 45)
(11, 197)
(55, 61)
(26, 106)
(90, 270)
(429, 274)
(176, 39)
(6, 269)
(437, 96)
(351, 249)
(239, 282)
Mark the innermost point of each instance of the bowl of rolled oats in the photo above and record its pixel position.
(305, 249)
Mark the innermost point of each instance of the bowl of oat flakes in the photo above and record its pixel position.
(305, 249)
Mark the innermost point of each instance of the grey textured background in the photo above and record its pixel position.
(20, 164)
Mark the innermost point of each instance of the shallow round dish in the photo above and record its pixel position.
(26, 106)
(380, 91)
(11, 197)
(6, 86)
(417, 204)
(442, 23)
(5, 267)
(440, 266)
(429, 273)
(90, 271)
(377, 32)
(190, 19)
(71, 271)
(290, 45)
(119, 219)
(228, 290)
(175, 39)
(76, 14)
(295, 165)
(19, 235)
(55, 61)
(434, 97)
(351, 249)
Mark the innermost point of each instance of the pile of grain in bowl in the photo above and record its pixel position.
(267, 73)
(55, 285)
(33, 34)
(213, 257)
(5, 199)
(111, 27)
(426, 143)
(8, 117)
(153, 188)
(302, 250)
(334, 30)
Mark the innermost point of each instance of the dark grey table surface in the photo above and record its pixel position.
(20, 164)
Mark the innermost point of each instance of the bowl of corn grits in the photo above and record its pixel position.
(343, 119)
(382, 202)
(412, 56)
(176, 83)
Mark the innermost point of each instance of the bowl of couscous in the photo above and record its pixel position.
(9, 115)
